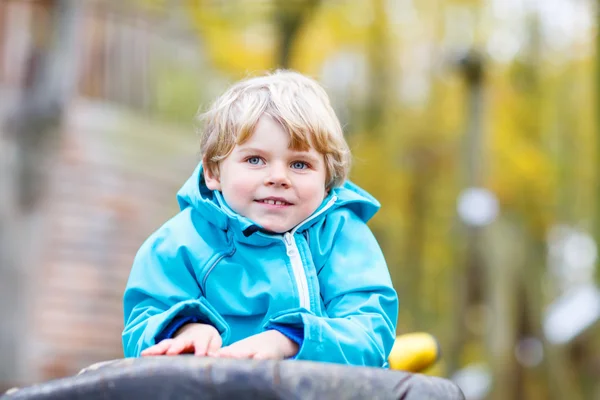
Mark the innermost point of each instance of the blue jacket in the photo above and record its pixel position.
(326, 280)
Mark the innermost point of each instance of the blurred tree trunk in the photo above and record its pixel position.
(28, 138)
(558, 374)
(289, 18)
(422, 173)
(470, 279)
(506, 258)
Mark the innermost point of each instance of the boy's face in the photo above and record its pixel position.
(269, 183)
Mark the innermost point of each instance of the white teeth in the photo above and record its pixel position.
(274, 202)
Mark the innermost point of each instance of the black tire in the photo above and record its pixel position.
(188, 377)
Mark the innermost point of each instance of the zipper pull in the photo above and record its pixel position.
(287, 237)
(288, 240)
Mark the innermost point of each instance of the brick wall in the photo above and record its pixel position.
(113, 183)
(113, 180)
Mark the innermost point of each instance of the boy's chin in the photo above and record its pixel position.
(277, 231)
(276, 228)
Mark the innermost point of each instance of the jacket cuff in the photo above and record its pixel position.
(296, 335)
(177, 323)
(200, 309)
(295, 323)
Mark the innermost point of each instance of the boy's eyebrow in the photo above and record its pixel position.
(251, 150)
(306, 155)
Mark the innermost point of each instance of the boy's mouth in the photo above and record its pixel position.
(274, 201)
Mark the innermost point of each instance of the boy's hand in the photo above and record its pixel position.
(268, 345)
(199, 339)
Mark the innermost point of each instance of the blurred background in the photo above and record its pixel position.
(474, 122)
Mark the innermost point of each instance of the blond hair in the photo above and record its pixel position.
(295, 101)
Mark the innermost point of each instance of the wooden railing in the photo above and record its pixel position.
(119, 48)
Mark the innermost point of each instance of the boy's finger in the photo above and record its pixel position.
(214, 344)
(223, 352)
(200, 347)
(177, 347)
(157, 349)
(232, 352)
(148, 351)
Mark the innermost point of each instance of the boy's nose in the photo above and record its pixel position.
(278, 176)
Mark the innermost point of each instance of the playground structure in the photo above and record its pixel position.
(167, 377)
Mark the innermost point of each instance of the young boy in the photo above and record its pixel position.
(270, 256)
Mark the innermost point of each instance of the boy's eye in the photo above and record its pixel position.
(254, 160)
(299, 165)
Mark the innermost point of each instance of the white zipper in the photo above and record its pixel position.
(294, 254)
(291, 250)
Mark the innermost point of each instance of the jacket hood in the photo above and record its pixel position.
(212, 206)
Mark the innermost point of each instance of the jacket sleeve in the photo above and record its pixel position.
(360, 303)
(163, 289)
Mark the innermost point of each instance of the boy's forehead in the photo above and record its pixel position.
(259, 138)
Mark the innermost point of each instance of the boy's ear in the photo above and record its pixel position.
(212, 181)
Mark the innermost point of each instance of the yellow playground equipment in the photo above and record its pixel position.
(414, 352)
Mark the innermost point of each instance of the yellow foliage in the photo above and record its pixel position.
(237, 43)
